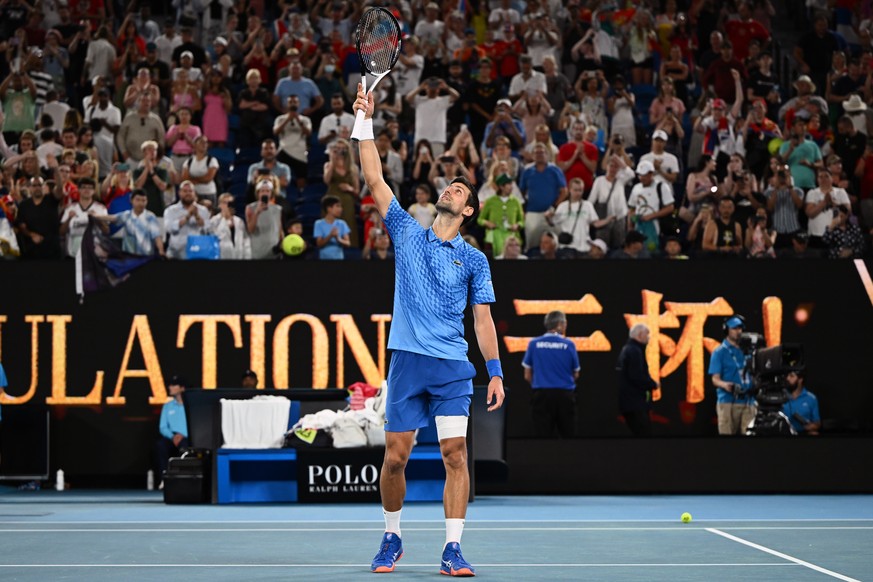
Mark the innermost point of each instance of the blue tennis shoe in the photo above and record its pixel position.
(390, 552)
(453, 563)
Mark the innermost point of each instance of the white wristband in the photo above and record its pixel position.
(363, 130)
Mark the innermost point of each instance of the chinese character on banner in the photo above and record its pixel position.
(588, 305)
(691, 342)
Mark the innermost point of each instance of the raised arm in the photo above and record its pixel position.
(371, 163)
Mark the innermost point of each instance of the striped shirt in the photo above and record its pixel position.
(785, 213)
(43, 82)
(139, 231)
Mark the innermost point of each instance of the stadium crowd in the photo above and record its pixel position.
(592, 128)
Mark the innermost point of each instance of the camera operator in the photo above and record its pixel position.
(735, 406)
(802, 406)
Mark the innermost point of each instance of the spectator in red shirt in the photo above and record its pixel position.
(489, 50)
(742, 31)
(578, 158)
(718, 77)
(507, 50)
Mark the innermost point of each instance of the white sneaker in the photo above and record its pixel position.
(161, 486)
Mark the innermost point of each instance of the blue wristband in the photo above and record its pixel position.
(494, 368)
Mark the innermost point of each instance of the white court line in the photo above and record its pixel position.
(682, 528)
(781, 555)
(404, 565)
(471, 523)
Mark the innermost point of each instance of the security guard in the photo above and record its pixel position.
(551, 366)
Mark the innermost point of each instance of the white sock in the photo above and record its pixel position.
(392, 521)
(454, 529)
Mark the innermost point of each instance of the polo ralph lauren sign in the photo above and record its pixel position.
(336, 476)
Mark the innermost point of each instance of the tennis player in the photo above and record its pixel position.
(436, 274)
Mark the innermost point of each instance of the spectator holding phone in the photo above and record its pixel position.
(448, 168)
(264, 220)
(430, 111)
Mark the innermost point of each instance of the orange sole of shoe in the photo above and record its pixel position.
(462, 572)
(386, 569)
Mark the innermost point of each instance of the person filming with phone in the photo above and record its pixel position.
(264, 218)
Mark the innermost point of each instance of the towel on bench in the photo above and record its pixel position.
(258, 423)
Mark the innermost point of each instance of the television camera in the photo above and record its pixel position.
(768, 368)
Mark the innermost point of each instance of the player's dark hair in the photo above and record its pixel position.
(472, 199)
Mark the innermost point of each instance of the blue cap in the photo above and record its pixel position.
(734, 322)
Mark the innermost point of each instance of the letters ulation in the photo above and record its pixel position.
(689, 348)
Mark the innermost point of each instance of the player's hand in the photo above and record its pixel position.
(364, 102)
(496, 395)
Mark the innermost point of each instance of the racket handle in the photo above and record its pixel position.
(363, 128)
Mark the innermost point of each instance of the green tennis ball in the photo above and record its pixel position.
(293, 245)
(686, 517)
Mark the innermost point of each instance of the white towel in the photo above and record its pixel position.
(317, 420)
(258, 423)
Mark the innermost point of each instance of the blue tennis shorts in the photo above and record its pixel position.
(421, 387)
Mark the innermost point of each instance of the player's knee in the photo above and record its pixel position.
(395, 462)
(454, 454)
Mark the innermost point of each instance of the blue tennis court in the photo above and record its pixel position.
(111, 536)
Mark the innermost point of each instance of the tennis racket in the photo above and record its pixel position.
(377, 37)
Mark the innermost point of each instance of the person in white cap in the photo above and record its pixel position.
(599, 249)
(649, 200)
(186, 63)
(805, 93)
(856, 110)
(666, 164)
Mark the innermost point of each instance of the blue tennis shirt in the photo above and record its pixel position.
(433, 282)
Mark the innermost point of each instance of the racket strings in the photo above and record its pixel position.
(378, 39)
